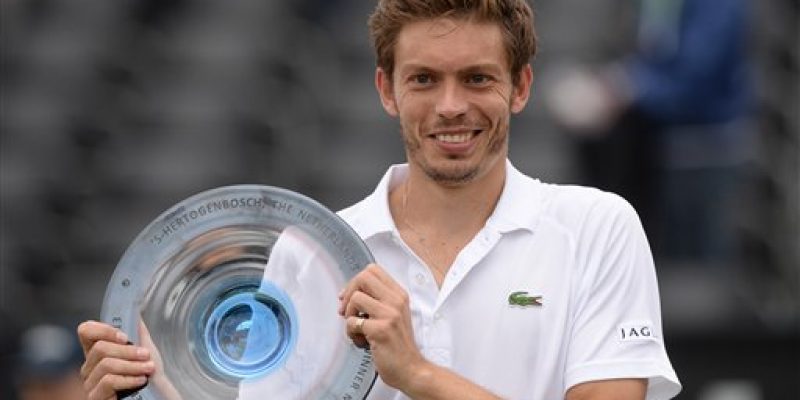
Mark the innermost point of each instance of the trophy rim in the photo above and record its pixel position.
(347, 241)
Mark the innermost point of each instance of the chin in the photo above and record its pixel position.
(452, 175)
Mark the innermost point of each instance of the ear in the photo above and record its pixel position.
(383, 82)
(522, 90)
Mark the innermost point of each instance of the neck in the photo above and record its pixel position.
(447, 210)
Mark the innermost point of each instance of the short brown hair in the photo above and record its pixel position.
(514, 17)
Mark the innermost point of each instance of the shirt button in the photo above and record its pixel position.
(437, 316)
(420, 279)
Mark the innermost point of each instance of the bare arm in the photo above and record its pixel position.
(433, 382)
(614, 389)
(390, 335)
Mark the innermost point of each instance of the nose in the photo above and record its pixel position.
(451, 102)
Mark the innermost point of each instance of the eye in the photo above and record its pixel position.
(421, 79)
(478, 79)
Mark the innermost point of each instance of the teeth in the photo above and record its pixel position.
(460, 138)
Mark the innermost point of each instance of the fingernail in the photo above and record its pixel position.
(122, 337)
(150, 366)
(341, 294)
(142, 352)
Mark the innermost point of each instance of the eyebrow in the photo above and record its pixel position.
(489, 67)
(493, 68)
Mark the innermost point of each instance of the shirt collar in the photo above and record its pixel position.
(519, 203)
(516, 209)
(376, 217)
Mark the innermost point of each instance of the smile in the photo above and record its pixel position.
(461, 136)
(454, 138)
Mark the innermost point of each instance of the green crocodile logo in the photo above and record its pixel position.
(523, 300)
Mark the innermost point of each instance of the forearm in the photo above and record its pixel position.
(432, 382)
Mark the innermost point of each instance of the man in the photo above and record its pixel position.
(490, 284)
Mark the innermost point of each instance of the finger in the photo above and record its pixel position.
(350, 287)
(358, 338)
(111, 367)
(366, 282)
(384, 288)
(356, 283)
(102, 350)
(361, 303)
(110, 384)
(353, 328)
(90, 332)
(360, 308)
(390, 290)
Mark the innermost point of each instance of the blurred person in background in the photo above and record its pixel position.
(49, 363)
(667, 126)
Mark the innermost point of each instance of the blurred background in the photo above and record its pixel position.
(114, 111)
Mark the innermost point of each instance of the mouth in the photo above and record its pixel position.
(455, 141)
(455, 136)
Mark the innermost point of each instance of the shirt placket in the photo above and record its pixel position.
(439, 334)
(469, 257)
(433, 329)
(422, 291)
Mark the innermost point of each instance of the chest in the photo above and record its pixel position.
(437, 252)
(501, 314)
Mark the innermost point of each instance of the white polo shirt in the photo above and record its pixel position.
(582, 250)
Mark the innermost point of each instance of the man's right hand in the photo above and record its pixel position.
(112, 363)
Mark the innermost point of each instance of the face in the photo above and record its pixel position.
(453, 94)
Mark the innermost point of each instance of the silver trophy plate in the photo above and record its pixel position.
(235, 292)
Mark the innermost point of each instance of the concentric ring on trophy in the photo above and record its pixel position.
(235, 292)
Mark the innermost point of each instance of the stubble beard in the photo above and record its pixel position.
(454, 175)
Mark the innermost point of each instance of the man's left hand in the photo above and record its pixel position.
(383, 304)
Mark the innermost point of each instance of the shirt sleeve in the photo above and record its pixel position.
(616, 319)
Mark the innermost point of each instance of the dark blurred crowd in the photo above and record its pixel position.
(42, 363)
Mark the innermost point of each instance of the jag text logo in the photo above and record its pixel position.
(634, 331)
